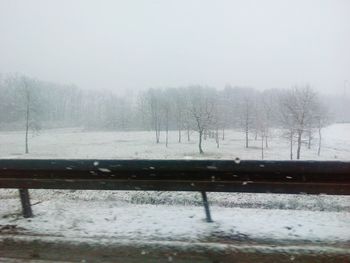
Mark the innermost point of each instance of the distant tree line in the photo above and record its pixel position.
(200, 111)
(53, 105)
(298, 111)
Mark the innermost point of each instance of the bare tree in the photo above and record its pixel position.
(322, 119)
(30, 106)
(188, 124)
(298, 105)
(247, 118)
(152, 97)
(262, 125)
(166, 112)
(310, 136)
(216, 123)
(201, 108)
(268, 103)
(179, 106)
(222, 115)
(287, 122)
(27, 112)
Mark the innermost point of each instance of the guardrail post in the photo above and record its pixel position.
(206, 207)
(25, 201)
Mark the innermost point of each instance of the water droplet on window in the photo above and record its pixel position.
(105, 170)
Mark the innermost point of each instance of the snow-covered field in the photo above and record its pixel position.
(179, 216)
(75, 143)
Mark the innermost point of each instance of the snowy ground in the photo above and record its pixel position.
(146, 216)
(126, 215)
(178, 216)
(75, 143)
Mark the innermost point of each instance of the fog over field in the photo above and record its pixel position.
(129, 46)
(195, 68)
(244, 121)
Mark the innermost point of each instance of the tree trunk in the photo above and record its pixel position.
(167, 128)
(217, 138)
(319, 142)
(27, 125)
(200, 142)
(262, 147)
(299, 144)
(246, 137)
(166, 138)
(188, 133)
(158, 134)
(291, 145)
(310, 139)
(157, 130)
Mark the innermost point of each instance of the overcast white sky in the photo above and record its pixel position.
(138, 44)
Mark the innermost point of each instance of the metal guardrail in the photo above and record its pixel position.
(290, 177)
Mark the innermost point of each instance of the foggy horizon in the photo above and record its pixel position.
(135, 46)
